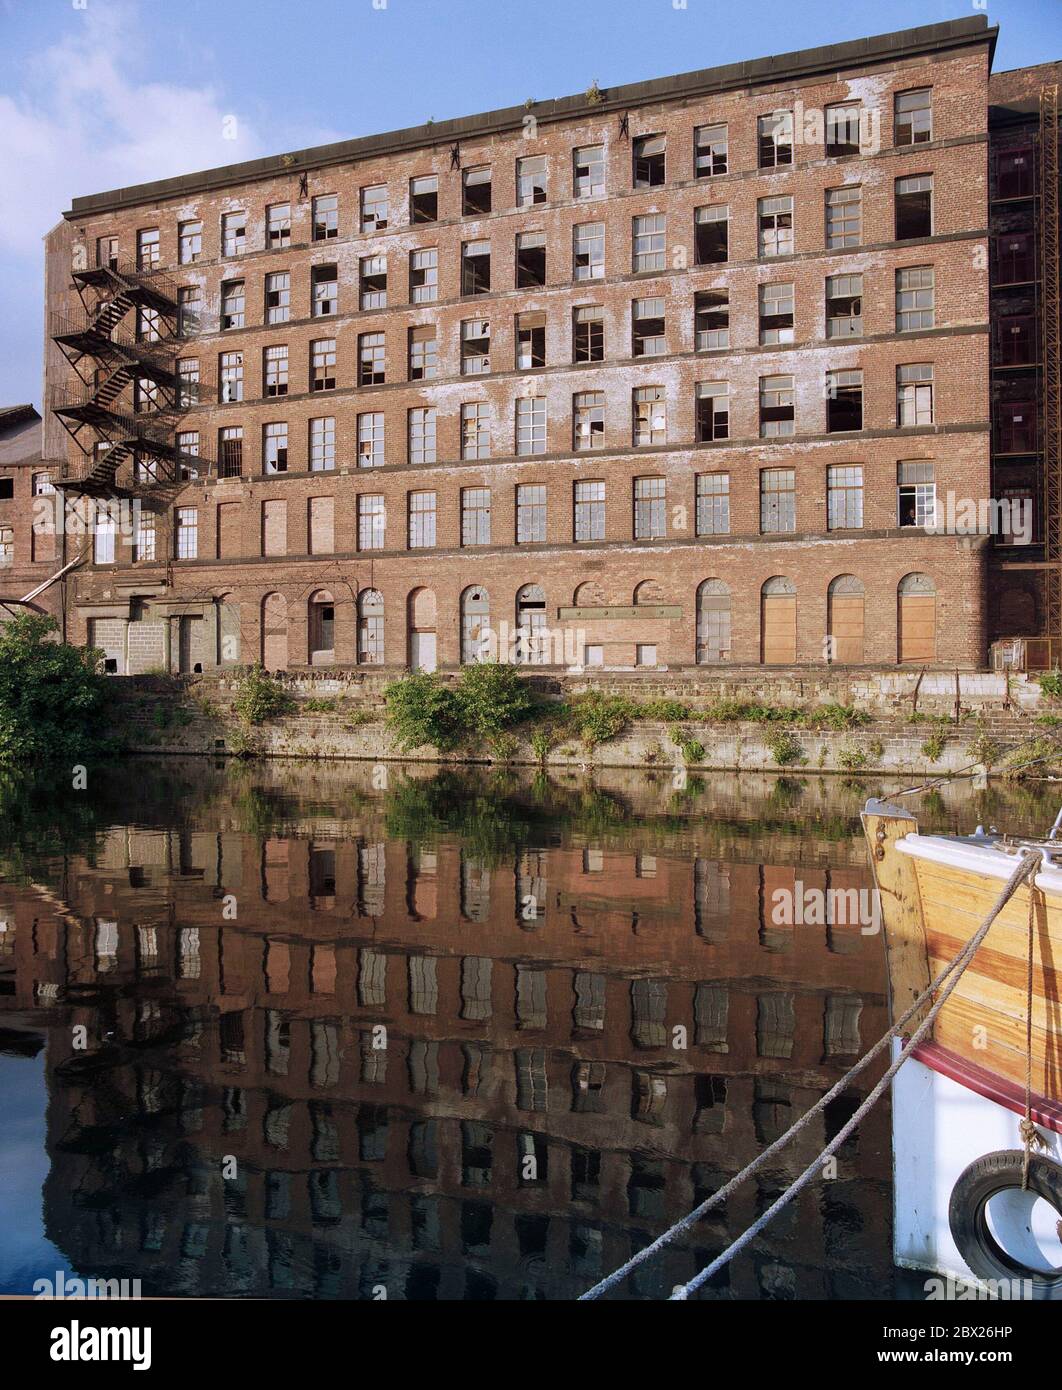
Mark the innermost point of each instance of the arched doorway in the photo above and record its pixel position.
(532, 648)
(778, 622)
(917, 618)
(370, 628)
(845, 601)
(422, 630)
(275, 632)
(713, 622)
(321, 628)
(475, 625)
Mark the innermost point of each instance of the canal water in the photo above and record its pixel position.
(336, 1031)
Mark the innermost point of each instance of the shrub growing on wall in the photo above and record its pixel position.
(53, 696)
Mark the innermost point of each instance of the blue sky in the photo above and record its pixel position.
(95, 94)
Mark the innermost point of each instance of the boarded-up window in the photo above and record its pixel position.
(846, 602)
(778, 622)
(228, 530)
(275, 632)
(274, 528)
(322, 536)
(917, 620)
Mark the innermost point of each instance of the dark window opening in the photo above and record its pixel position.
(588, 337)
(476, 192)
(844, 401)
(711, 236)
(475, 267)
(711, 319)
(530, 260)
(424, 199)
(649, 159)
(914, 207)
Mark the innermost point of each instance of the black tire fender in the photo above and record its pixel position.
(968, 1216)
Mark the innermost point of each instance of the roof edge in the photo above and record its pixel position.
(802, 63)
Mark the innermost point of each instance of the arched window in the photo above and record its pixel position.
(370, 628)
(275, 632)
(916, 638)
(475, 625)
(778, 622)
(321, 628)
(589, 594)
(422, 630)
(532, 646)
(713, 622)
(650, 591)
(845, 603)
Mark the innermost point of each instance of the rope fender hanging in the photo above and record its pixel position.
(1026, 869)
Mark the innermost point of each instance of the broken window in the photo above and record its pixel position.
(588, 520)
(324, 287)
(186, 447)
(650, 415)
(475, 433)
(777, 499)
(915, 298)
(844, 401)
(914, 117)
(588, 251)
(187, 382)
(842, 129)
(475, 347)
(844, 306)
(647, 328)
(232, 304)
(148, 325)
(190, 242)
(914, 394)
(530, 260)
(588, 420)
(422, 434)
(777, 304)
(711, 320)
(650, 509)
(475, 186)
(230, 452)
(776, 406)
(233, 234)
(424, 198)
(372, 522)
(1015, 340)
(326, 217)
(275, 448)
(371, 439)
(423, 353)
(588, 334)
(709, 151)
(844, 497)
(531, 180)
(278, 297)
(588, 165)
(148, 251)
(323, 444)
(475, 267)
(371, 370)
(323, 364)
(107, 252)
(531, 425)
(530, 513)
(711, 235)
(275, 370)
(421, 520)
(713, 410)
(648, 237)
(278, 226)
(713, 504)
(844, 216)
(916, 493)
(372, 274)
(475, 515)
(914, 207)
(649, 160)
(424, 275)
(775, 134)
(776, 226)
(530, 341)
(374, 208)
(189, 311)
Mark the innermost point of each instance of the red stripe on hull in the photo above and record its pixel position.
(1045, 1112)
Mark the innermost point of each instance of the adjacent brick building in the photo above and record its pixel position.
(661, 375)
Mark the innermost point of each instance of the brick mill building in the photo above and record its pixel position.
(680, 368)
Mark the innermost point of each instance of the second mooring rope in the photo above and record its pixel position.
(1026, 868)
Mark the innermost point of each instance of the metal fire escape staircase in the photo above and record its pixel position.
(1051, 348)
(121, 407)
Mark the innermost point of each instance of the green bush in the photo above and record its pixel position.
(491, 698)
(934, 745)
(260, 697)
(422, 710)
(53, 697)
(1051, 684)
(785, 749)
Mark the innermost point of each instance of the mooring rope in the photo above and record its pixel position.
(1027, 866)
(1030, 1136)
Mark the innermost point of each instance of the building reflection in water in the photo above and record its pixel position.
(436, 1029)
